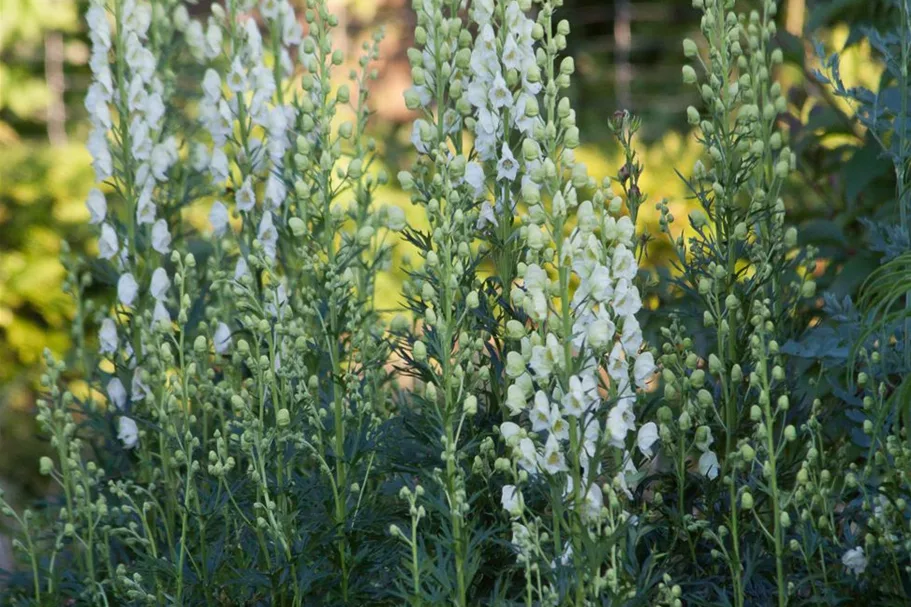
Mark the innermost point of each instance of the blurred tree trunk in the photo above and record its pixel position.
(623, 69)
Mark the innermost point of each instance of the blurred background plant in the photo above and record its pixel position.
(628, 57)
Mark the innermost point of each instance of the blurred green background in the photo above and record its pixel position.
(627, 55)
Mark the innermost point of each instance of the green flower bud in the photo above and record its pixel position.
(297, 225)
(419, 351)
(747, 452)
(471, 300)
(697, 378)
(689, 48)
(283, 418)
(715, 367)
(45, 465)
(200, 344)
(808, 289)
(689, 74)
(746, 501)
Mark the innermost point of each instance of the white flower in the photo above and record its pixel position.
(623, 264)
(107, 335)
(117, 393)
(498, 93)
(540, 413)
(620, 421)
(160, 284)
(527, 456)
(631, 336)
(507, 167)
(218, 217)
(241, 269)
(511, 500)
(161, 237)
(553, 460)
(594, 501)
(558, 426)
(138, 389)
(509, 430)
(145, 207)
(275, 191)
(418, 130)
(626, 300)
(160, 314)
(625, 230)
(245, 198)
(600, 283)
(646, 438)
(211, 85)
(222, 338)
(644, 368)
(213, 40)
(97, 206)
(219, 166)
(108, 246)
(128, 432)
(600, 333)
(127, 288)
(487, 215)
(237, 78)
(515, 399)
(542, 363)
(708, 465)
(617, 365)
(395, 218)
(102, 162)
(582, 394)
(267, 234)
(855, 560)
(474, 176)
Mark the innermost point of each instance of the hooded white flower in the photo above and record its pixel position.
(107, 335)
(509, 431)
(600, 332)
(507, 167)
(160, 284)
(644, 368)
(222, 338)
(127, 288)
(268, 235)
(161, 237)
(855, 561)
(219, 166)
(108, 245)
(97, 206)
(527, 456)
(474, 176)
(128, 432)
(160, 314)
(647, 437)
(515, 399)
(218, 217)
(102, 162)
(117, 393)
(245, 199)
(582, 395)
(708, 465)
(623, 264)
(540, 413)
(487, 216)
(241, 269)
(511, 499)
(601, 284)
(558, 426)
(620, 421)
(594, 501)
(631, 335)
(626, 300)
(138, 388)
(553, 460)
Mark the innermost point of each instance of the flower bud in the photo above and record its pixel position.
(283, 418)
(419, 351)
(689, 48)
(689, 74)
